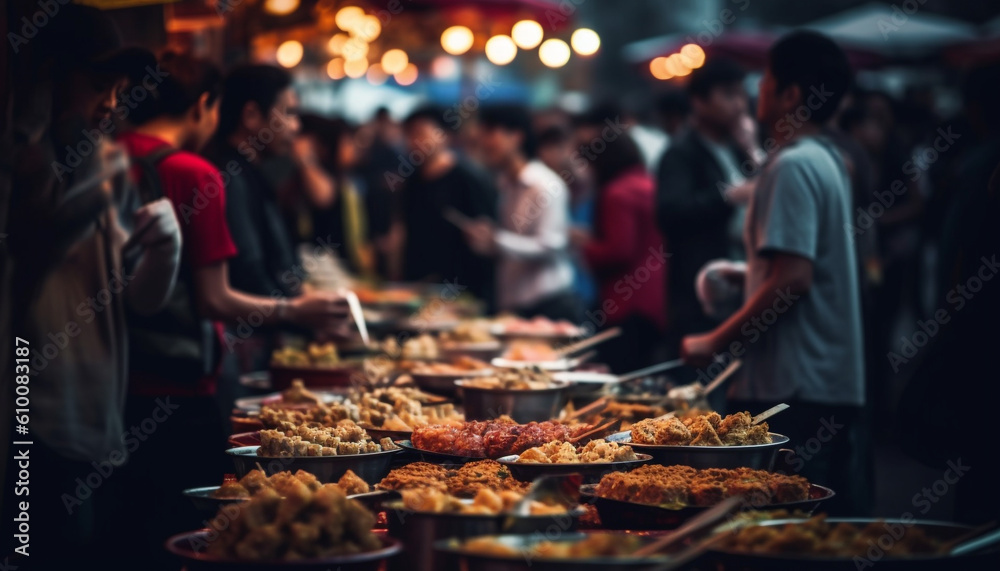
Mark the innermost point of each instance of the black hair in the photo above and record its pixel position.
(511, 118)
(813, 62)
(717, 72)
(260, 84)
(673, 102)
(619, 155)
(382, 113)
(431, 113)
(185, 79)
(329, 133)
(598, 114)
(554, 135)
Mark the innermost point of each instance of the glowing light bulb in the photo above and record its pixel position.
(501, 50)
(457, 40)
(585, 42)
(554, 53)
(527, 34)
(289, 53)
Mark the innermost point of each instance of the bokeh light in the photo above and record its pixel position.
(355, 68)
(554, 53)
(527, 34)
(376, 75)
(585, 41)
(289, 53)
(457, 40)
(336, 44)
(658, 67)
(394, 61)
(281, 7)
(348, 17)
(501, 50)
(692, 56)
(407, 76)
(335, 69)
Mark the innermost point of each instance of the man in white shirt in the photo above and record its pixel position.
(534, 272)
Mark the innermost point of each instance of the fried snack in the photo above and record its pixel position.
(701, 430)
(679, 486)
(457, 366)
(818, 537)
(525, 379)
(485, 502)
(422, 347)
(492, 438)
(315, 355)
(284, 482)
(531, 351)
(345, 438)
(416, 475)
(566, 453)
(594, 545)
(304, 524)
(471, 331)
(470, 478)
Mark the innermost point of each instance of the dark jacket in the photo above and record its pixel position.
(694, 218)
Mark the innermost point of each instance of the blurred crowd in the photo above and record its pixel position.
(829, 239)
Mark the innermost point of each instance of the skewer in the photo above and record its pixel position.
(593, 408)
(607, 428)
(699, 524)
(589, 342)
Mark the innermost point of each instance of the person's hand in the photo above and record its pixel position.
(578, 237)
(320, 311)
(698, 350)
(156, 228)
(480, 234)
(304, 151)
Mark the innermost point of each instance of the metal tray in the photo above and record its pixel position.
(756, 456)
(591, 471)
(371, 467)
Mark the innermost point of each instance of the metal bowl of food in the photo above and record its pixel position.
(189, 547)
(619, 514)
(205, 501)
(523, 405)
(436, 457)
(484, 351)
(518, 552)
(341, 375)
(591, 471)
(892, 544)
(443, 383)
(418, 530)
(370, 467)
(756, 456)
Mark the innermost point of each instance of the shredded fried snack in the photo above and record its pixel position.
(416, 475)
(485, 502)
(492, 438)
(701, 430)
(257, 480)
(343, 439)
(679, 486)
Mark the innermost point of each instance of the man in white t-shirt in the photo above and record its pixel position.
(530, 242)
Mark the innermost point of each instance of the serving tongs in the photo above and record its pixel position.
(694, 528)
(589, 342)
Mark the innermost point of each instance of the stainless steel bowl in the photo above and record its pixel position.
(189, 548)
(444, 383)
(732, 560)
(536, 405)
(370, 467)
(523, 562)
(204, 501)
(419, 530)
(756, 456)
(591, 471)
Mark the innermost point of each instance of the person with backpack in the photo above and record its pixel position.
(175, 353)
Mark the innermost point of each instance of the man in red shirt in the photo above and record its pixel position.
(171, 353)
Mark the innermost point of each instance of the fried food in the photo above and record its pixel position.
(465, 481)
(594, 545)
(421, 347)
(315, 355)
(701, 430)
(457, 366)
(567, 453)
(486, 502)
(492, 438)
(679, 486)
(530, 351)
(302, 523)
(470, 331)
(416, 475)
(539, 326)
(514, 379)
(818, 537)
(345, 438)
(282, 482)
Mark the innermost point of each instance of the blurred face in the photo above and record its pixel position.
(347, 152)
(723, 107)
(284, 122)
(426, 137)
(91, 96)
(206, 120)
(772, 105)
(498, 145)
(555, 155)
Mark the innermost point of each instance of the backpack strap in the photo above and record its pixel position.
(150, 185)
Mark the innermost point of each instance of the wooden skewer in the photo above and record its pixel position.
(606, 428)
(593, 408)
(725, 374)
(590, 342)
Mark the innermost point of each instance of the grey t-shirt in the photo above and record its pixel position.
(808, 348)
